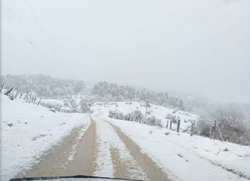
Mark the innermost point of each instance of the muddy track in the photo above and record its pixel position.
(120, 167)
(82, 162)
(52, 163)
(144, 161)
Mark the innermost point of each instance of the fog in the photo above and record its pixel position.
(196, 47)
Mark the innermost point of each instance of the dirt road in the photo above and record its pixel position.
(103, 150)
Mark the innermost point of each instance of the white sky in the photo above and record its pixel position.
(200, 47)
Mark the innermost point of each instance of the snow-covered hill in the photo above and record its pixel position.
(159, 112)
(179, 152)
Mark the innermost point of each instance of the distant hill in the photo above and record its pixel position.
(111, 92)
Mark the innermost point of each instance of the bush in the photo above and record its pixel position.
(127, 117)
(158, 123)
(204, 127)
(116, 114)
(136, 116)
(112, 114)
(84, 106)
(232, 121)
(171, 118)
(151, 121)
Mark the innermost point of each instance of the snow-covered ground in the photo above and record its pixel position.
(189, 158)
(159, 112)
(28, 131)
(183, 152)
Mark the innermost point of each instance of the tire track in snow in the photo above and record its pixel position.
(80, 161)
(74, 147)
(51, 162)
(146, 163)
(112, 157)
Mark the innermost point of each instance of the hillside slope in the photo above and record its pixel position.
(28, 131)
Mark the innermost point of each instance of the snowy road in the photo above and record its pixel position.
(119, 149)
(101, 149)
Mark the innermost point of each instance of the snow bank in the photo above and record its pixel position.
(28, 131)
(189, 158)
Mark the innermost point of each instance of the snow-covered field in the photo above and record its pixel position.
(159, 112)
(28, 131)
(189, 158)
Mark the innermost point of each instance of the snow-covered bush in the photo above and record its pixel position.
(171, 118)
(116, 114)
(127, 117)
(232, 120)
(204, 126)
(119, 115)
(84, 106)
(136, 116)
(150, 121)
(112, 114)
(158, 123)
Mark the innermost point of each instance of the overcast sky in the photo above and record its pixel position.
(199, 47)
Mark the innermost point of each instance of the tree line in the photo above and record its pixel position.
(45, 86)
(112, 92)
